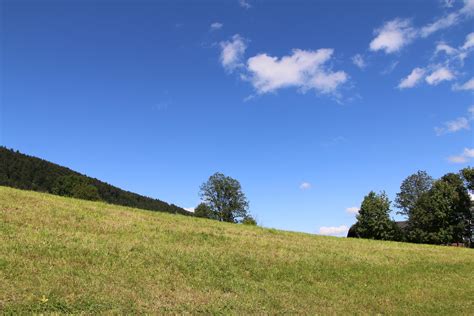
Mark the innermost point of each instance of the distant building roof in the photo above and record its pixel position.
(402, 224)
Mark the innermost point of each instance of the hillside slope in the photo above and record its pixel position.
(21, 171)
(60, 254)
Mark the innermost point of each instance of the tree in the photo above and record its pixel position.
(373, 220)
(353, 231)
(468, 176)
(224, 196)
(442, 215)
(202, 210)
(461, 215)
(249, 220)
(411, 190)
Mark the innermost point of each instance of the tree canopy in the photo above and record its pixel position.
(203, 210)
(442, 215)
(223, 195)
(411, 190)
(373, 220)
(468, 176)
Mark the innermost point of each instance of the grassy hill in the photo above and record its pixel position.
(60, 254)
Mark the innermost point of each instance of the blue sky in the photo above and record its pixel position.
(309, 104)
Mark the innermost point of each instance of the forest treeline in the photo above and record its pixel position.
(21, 171)
(437, 211)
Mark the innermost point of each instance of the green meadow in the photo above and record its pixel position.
(64, 255)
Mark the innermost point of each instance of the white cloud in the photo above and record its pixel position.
(449, 20)
(232, 52)
(334, 231)
(393, 35)
(303, 69)
(466, 155)
(468, 8)
(456, 54)
(359, 61)
(471, 112)
(305, 186)
(453, 126)
(454, 59)
(353, 210)
(439, 75)
(397, 33)
(244, 4)
(189, 209)
(469, 41)
(442, 23)
(216, 26)
(468, 85)
(412, 79)
(469, 153)
(458, 124)
(457, 159)
(327, 82)
(445, 48)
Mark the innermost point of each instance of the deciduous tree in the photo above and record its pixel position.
(411, 190)
(202, 210)
(373, 220)
(224, 196)
(442, 215)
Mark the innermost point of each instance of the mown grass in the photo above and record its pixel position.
(65, 255)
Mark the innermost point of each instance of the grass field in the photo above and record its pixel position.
(64, 255)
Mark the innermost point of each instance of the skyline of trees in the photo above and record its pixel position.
(437, 211)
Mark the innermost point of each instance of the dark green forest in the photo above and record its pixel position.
(21, 171)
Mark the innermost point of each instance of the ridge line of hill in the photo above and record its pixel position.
(22, 171)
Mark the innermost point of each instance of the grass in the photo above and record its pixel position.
(71, 256)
